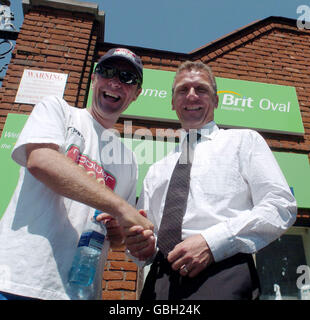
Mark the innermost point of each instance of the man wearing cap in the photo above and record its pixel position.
(71, 165)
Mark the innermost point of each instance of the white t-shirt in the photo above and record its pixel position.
(40, 229)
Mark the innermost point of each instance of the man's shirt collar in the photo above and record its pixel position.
(207, 132)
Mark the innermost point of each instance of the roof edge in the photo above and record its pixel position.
(246, 29)
(68, 5)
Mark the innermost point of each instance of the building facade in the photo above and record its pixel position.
(68, 37)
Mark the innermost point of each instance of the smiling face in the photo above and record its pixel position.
(194, 99)
(110, 96)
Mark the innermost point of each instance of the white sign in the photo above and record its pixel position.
(36, 84)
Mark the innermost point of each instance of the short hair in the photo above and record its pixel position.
(196, 65)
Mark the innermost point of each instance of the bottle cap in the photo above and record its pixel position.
(97, 212)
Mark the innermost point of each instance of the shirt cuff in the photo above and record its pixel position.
(220, 241)
(141, 263)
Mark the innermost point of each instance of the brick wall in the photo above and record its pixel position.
(120, 277)
(50, 40)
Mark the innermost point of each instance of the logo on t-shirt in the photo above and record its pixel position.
(76, 132)
(91, 167)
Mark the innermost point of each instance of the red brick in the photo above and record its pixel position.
(114, 275)
(29, 49)
(119, 265)
(117, 256)
(121, 285)
(112, 295)
(131, 276)
(130, 295)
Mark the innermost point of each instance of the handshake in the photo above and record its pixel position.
(134, 230)
(189, 257)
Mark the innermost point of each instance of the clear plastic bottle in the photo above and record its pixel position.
(80, 285)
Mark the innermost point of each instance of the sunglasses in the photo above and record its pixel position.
(126, 77)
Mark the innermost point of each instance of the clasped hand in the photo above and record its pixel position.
(139, 240)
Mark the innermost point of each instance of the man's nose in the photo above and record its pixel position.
(192, 93)
(115, 82)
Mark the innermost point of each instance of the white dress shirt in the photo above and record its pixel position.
(239, 200)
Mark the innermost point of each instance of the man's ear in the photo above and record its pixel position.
(93, 79)
(216, 101)
(172, 104)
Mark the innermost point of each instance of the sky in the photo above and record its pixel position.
(179, 25)
(185, 25)
(173, 25)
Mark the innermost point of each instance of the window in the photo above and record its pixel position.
(278, 262)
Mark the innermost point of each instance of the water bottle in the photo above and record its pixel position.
(80, 285)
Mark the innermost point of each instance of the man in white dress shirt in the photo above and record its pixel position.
(238, 203)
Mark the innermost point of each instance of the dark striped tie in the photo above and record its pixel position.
(170, 231)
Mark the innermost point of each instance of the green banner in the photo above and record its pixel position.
(147, 152)
(295, 167)
(269, 107)
(296, 170)
(9, 169)
(244, 104)
(154, 101)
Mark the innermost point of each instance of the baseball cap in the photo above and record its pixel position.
(124, 54)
